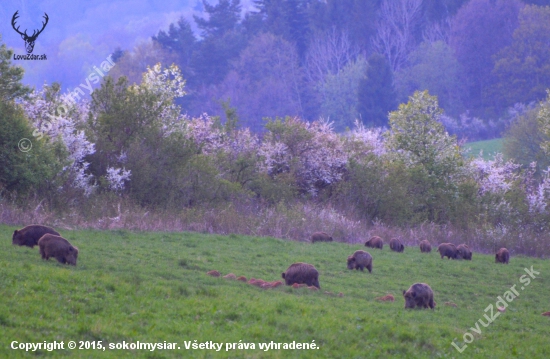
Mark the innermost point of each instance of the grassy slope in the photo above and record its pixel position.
(152, 287)
(489, 147)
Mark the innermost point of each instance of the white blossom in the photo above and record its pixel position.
(318, 158)
(168, 84)
(537, 193)
(494, 176)
(116, 178)
(62, 119)
(362, 141)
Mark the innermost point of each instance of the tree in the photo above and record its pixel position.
(418, 137)
(142, 140)
(222, 42)
(328, 53)
(266, 81)
(222, 18)
(297, 25)
(310, 152)
(543, 119)
(355, 17)
(117, 54)
(179, 40)
(376, 95)
(480, 29)
(522, 70)
(437, 10)
(397, 24)
(10, 77)
(432, 157)
(340, 95)
(60, 120)
(123, 115)
(523, 139)
(287, 19)
(132, 64)
(27, 163)
(433, 67)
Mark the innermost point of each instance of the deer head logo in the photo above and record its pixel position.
(29, 40)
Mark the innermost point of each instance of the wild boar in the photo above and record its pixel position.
(464, 252)
(502, 256)
(59, 248)
(359, 260)
(301, 273)
(320, 237)
(396, 245)
(419, 295)
(425, 246)
(447, 250)
(375, 242)
(30, 235)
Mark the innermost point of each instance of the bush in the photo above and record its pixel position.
(25, 172)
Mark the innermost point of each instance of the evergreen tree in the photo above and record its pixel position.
(288, 19)
(376, 95)
(297, 25)
(223, 41)
(118, 54)
(180, 40)
(222, 18)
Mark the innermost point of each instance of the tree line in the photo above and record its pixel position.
(348, 59)
(132, 141)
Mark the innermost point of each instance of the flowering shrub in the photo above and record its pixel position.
(62, 120)
(167, 85)
(116, 178)
(537, 192)
(362, 141)
(311, 151)
(494, 176)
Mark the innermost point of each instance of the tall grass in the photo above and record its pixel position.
(294, 222)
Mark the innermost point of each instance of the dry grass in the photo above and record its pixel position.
(293, 222)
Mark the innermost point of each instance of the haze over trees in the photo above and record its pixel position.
(328, 59)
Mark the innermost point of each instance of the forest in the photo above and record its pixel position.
(301, 116)
(357, 59)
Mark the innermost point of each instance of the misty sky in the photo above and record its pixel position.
(80, 34)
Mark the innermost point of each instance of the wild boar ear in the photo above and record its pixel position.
(403, 293)
(15, 232)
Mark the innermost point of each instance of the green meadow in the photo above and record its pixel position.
(488, 148)
(153, 288)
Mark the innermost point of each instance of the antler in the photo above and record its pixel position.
(15, 16)
(34, 33)
(43, 24)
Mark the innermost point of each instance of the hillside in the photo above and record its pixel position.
(489, 148)
(153, 287)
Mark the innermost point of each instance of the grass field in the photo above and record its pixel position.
(153, 288)
(489, 148)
